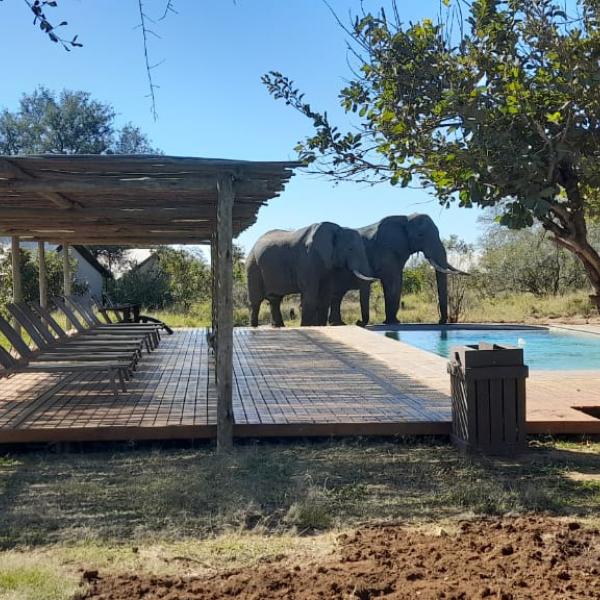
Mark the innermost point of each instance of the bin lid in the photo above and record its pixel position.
(487, 355)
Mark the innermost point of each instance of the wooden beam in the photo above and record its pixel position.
(54, 232)
(101, 238)
(119, 214)
(66, 270)
(14, 171)
(43, 274)
(16, 275)
(150, 163)
(224, 340)
(86, 185)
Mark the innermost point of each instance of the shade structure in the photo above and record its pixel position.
(129, 199)
(142, 200)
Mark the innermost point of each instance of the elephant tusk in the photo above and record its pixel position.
(458, 271)
(363, 277)
(447, 271)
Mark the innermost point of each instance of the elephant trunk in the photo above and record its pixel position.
(442, 289)
(439, 262)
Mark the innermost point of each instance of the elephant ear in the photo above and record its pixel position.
(392, 231)
(321, 241)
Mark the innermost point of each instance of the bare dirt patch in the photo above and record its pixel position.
(509, 558)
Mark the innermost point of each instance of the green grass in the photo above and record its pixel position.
(421, 308)
(22, 577)
(138, 495)
(190, 511)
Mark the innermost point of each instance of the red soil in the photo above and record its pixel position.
(511, 558)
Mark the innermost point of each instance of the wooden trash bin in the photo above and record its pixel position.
(488, 398)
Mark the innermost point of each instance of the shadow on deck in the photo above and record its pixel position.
(286, 383)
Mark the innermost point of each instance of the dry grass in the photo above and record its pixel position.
(191, 511)
(510, 308)
(141, 494)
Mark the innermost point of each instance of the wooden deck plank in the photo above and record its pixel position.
(295, 382)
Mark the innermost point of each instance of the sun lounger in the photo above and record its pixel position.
(86, 310)
(53, 349)
(82, 339)
(30, 363)
(102, 333)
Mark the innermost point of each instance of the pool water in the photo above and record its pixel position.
(547, 350)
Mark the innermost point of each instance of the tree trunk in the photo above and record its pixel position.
(572, 234)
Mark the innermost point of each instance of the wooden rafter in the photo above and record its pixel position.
(136, 200)
(15, 173)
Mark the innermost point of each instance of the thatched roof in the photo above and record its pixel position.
(129, 199)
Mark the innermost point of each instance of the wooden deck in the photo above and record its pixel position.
(295, 382)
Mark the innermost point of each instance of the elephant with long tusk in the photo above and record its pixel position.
(303, 262)
(389, 244)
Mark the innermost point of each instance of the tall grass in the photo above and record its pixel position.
(416, 308)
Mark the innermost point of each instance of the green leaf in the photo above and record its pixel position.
(387, 116)
(554, 117)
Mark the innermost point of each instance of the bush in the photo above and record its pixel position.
(528, 261)
(179, 280)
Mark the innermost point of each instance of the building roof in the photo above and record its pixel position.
(137, 200)
(89, 258)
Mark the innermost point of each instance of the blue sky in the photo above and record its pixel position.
(211, 102)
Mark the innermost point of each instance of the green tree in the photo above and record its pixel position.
(69, 122)
(505, 113)
(527, 261)
(188, 275)
(113, 255)
(180, 278)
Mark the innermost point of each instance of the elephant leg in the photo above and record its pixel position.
(254, 310)
(322, 313)
(276, 317)
(335, 309)
(310, 308)
(325, 294)
(392, 290)
(365, 298)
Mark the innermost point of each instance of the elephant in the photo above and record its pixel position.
(302, 261)
(389, 243)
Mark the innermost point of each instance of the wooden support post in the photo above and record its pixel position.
(66, 270)
(43, 274)
(16, 275)
(224, 304)
(213, 288)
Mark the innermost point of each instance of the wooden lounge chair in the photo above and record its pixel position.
(107, 334)
(86, 309)
(11, 365)
(81, 339)
(52, 349)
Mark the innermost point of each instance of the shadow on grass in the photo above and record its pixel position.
(170, 493)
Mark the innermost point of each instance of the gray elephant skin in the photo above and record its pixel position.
(389, 244)
(302, 262)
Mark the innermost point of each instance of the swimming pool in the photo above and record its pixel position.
(544, 349)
